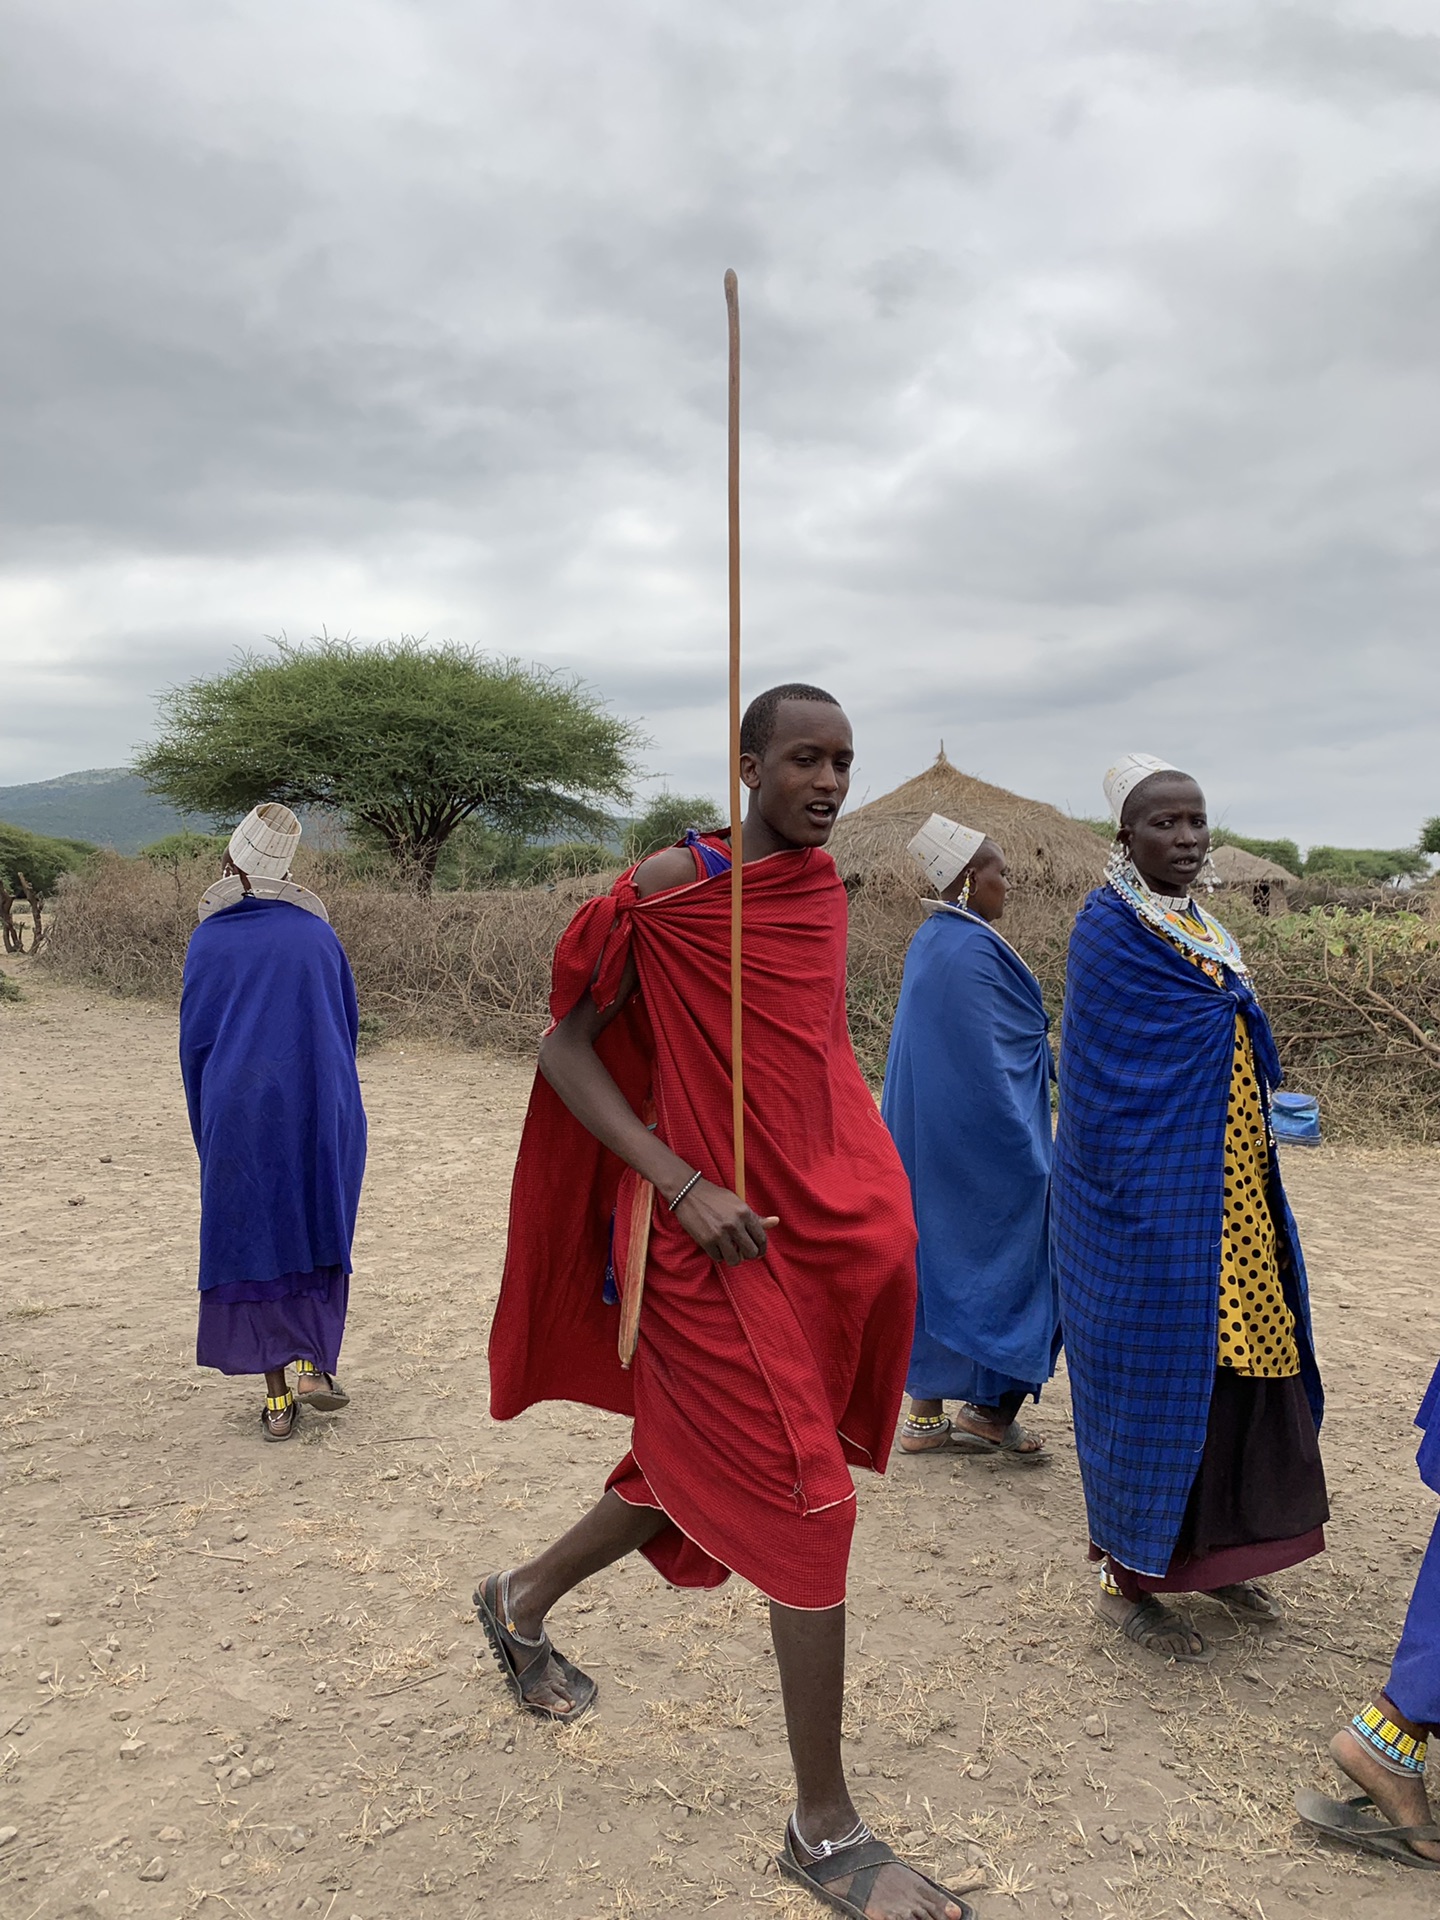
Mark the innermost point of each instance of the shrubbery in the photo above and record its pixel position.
(1354, 995)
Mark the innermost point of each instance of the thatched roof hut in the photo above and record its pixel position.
(1264, 880)
(1044, 847)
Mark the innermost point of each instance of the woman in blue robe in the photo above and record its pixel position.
(1183, 1291)
(967, 1100)
(1383, 1749)
(268, 1026)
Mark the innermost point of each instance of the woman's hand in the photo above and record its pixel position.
(720, 1224)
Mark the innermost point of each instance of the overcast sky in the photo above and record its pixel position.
(1090, 370)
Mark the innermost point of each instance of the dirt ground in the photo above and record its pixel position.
(245, 1679)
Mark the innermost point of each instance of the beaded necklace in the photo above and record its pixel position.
(1188, 925)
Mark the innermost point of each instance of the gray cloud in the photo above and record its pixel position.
(1088, 371)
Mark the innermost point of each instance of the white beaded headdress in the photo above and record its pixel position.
(1127, 773)
(263, 845)
(944, 849)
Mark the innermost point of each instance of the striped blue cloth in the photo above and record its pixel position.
(1137, 1207)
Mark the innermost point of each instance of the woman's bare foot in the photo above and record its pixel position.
(1403, 1801)
(1152, 1626)
(926, 1430)
(989, 1423)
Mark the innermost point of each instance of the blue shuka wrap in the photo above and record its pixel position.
(268, 1025)
(1414, 1683)
(1137, 1209)
(967, 1100)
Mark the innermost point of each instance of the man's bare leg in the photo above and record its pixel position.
(810, 1652)
(611, 1530)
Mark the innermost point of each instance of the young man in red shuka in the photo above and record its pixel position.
(774, 1336)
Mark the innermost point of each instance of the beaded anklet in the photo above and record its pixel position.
(926, 1422)
(1397, 1751)
(1107, 1580)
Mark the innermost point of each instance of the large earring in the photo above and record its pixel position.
(964, 899)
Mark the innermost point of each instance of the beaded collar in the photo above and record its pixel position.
(1191, 928)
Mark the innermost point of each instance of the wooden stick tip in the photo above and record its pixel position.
(732, 285)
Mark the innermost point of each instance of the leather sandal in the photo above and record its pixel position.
(524, 1662)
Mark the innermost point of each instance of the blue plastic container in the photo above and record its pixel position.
(1295, 1118)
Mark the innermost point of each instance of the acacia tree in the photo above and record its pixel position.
(665, 819)
(1430, 835)
(30, 868)
(403, 741)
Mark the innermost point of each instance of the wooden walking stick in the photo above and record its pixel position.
(638, 1217)
(737, 849)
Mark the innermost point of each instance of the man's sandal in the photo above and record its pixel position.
(863, 1857)
(1354, 1824)
(278, 1415)
(326, 1397)
(492, 1607)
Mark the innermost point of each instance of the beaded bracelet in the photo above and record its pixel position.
(692, 1181)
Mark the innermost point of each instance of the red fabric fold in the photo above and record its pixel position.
(752, 1386)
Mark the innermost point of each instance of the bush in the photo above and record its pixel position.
(1353, 993)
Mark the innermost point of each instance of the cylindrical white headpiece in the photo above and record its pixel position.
(263, 845)
(944, 849)
(1127, 773)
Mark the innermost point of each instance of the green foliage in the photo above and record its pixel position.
(1364, 866)
(176, 847)
(1430, 835)
(39, 858)
(1099, 823)
(402, 741)
(664, 822)
(477, 858)
(1285, 853)
(9, 989)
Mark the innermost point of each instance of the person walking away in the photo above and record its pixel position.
(268, 1026)
(1383, 1748)
(772, 1336)
(1183, 1294)
(967, 1102)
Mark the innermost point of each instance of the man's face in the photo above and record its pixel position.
(1167, 832)
(801, 780)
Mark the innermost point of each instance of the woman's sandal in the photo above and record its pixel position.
(1011, 1443)
(1348, 1822)
(492, 1607)
(327, 1398)
(862, 1857)
(929, 1431)
(1148, 1621)
(278, 1415)
(1249, 1599)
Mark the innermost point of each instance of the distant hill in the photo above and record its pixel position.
(107, 805)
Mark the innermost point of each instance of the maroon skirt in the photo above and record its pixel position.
(260, 1326)
(1258, 1503)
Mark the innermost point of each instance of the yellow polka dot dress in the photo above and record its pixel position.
(1256, 1330)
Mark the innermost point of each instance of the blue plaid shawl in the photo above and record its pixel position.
(1137, 1206)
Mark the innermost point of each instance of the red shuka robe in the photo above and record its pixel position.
(752, 1386)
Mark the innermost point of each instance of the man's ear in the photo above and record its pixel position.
(750, 771)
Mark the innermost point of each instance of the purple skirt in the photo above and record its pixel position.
(259, 1326)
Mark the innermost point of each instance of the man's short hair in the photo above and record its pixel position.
(757, 729)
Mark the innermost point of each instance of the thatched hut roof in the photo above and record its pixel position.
(1044, 847)
(1237, 868)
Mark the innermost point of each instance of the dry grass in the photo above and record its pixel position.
(1352, 991)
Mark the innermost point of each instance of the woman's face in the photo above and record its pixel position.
(1166, 831)
(989, 883)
